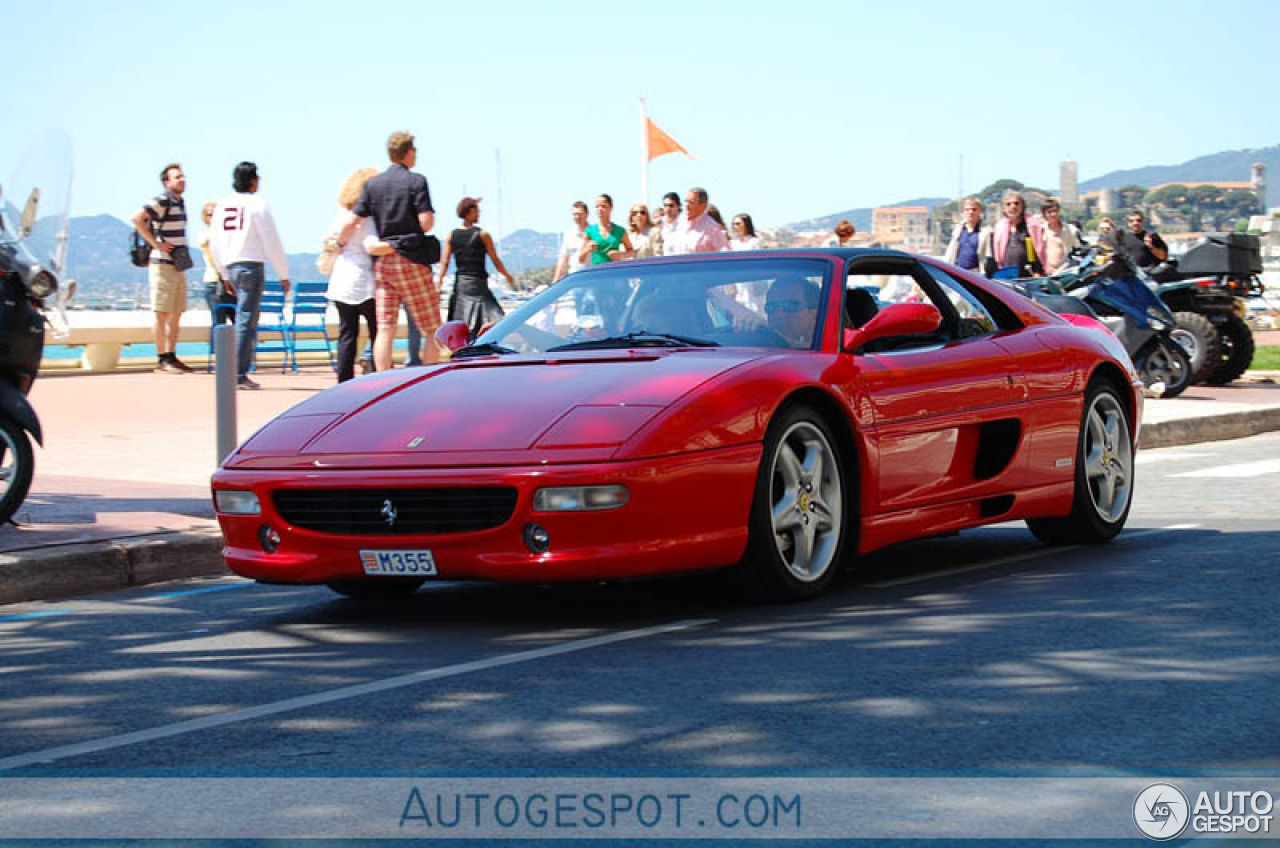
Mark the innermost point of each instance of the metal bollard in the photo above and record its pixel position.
(224, 347)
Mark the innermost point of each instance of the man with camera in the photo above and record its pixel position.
(162, 223)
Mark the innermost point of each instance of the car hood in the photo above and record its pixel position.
(492, 411)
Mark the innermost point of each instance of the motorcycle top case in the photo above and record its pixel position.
(1224, 253)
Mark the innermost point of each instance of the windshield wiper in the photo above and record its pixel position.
(485, 349)
(640, 339)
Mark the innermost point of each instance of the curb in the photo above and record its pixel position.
(1208, 428)
(67, 571)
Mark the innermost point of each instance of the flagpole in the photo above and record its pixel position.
(644, 154)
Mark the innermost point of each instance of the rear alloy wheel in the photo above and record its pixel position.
(380, 587)
(1237, 351)
(798, 522)
(1199, 338)
(1104, 474)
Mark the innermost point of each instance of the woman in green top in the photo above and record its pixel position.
(605, 241)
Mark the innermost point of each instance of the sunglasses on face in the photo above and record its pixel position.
(784, 306)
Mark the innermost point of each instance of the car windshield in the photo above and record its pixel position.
(761, 302)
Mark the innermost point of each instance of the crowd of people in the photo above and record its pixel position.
(380, 256)
(1024, 246)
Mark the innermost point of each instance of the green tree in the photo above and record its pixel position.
(1131, 195)
(992, 193)
(1170, 195)
(1240, 202)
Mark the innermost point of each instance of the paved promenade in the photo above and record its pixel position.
(121, 489)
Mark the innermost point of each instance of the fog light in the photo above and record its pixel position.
(536, 538)
(268, 538)
(580, 498)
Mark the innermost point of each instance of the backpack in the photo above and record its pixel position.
(139, 250)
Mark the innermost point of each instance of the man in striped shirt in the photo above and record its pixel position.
(163, 224)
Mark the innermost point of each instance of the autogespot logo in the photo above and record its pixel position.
(1161, 811)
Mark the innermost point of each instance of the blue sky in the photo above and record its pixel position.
(793, 110)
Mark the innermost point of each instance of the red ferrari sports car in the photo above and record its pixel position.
(777, 411)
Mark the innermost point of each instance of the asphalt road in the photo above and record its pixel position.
(979, 651)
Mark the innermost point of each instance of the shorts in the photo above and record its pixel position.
(401, 280)
(168, 287)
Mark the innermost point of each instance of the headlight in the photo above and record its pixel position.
(580, 498)
(42, 285)
(234, 502)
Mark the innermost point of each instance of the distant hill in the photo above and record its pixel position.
(528, 250)
(1228, 166)
(98, 258)
(860, 218)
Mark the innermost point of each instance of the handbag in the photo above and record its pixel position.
(181, 256)
(416, 247)
(329, 251)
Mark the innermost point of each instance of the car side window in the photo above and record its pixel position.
(975, 320)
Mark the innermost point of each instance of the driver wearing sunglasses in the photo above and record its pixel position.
(792, 309)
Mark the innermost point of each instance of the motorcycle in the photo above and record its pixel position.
(1205, 290)
(1105, 285)
(33, 245)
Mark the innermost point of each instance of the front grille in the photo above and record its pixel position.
(396, 512)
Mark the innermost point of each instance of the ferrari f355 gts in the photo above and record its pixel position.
(781, 412)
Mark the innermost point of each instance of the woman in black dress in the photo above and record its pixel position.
(471, 301)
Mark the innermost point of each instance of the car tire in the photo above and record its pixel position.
(1237, 351)
(799, 516)
(382, 587)
(1104, 474)
(17, 464)
(1199, 338)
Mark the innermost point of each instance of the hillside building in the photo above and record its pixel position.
(906, 227)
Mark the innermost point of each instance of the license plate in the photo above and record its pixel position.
(398, 563)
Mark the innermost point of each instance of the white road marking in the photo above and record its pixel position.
(1235, 470)
(1151, 457)
(1012, 558)
(361, 689)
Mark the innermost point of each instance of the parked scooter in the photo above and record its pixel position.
(1106, 285)
(32, 248)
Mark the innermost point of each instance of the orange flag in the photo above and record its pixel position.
(659, 143)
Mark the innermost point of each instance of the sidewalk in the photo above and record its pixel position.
(121, 490)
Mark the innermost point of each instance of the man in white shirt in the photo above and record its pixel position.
(668, 223)
(571, 243)
(243, 240)
(697, 232)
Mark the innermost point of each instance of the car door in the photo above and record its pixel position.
(939, 402)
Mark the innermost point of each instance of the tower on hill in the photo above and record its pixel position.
(1068, 184)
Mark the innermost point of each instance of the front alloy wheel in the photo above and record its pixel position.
(798, 516)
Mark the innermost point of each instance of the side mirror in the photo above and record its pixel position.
(453, 336)
(897, 319)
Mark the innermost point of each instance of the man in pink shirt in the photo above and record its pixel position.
(697, 232)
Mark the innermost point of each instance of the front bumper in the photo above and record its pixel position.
(685, 513)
